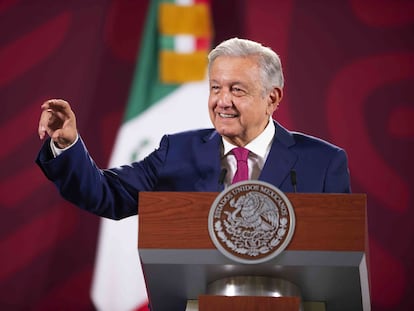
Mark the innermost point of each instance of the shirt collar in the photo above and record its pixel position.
(260, 145)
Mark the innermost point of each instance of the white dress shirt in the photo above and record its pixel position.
(259, 150)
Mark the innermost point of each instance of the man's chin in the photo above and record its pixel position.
(229, 136)
(226, 131)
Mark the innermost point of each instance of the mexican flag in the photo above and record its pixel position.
(169, 94)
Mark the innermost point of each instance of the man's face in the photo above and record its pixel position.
(238, 107)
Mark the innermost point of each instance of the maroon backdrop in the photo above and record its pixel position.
(349, 69)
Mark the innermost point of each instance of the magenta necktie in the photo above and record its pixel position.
(242, 172)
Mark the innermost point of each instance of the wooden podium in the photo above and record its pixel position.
(326, 257)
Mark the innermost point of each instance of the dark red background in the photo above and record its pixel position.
(349, 68)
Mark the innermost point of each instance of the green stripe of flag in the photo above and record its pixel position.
(146, 88)
(167, 43)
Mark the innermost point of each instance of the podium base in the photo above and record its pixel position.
(193, 305)
(248, 303)
(247, 293)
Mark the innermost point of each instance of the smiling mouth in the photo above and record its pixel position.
(227, 115)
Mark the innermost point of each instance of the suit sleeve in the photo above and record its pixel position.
(111, 193)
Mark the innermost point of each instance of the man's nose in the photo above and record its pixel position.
(225, 99)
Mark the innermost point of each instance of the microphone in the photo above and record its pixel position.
(222, 176)
(293, 179)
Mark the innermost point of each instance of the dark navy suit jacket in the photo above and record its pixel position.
(190, 161)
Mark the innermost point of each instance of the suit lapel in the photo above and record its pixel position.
(281, 159)
(208, 163)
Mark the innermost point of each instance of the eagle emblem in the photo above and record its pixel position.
(251, 222)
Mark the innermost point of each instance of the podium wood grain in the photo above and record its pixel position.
(179, 220)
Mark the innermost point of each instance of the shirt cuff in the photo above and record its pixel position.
(57, 151)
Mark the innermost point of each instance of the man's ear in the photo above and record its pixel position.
(275, 97)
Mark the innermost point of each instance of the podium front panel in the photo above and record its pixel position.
(325, 259)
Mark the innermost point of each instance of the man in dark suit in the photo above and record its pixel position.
(246, 87)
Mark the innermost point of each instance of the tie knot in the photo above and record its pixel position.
(240, 153)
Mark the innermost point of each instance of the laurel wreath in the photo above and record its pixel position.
(239, 238)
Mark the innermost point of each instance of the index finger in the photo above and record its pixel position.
(43, 121)
(57, 105)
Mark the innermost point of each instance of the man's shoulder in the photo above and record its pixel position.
(204, 133)
(302, 139)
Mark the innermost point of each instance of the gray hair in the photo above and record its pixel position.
(269, 62)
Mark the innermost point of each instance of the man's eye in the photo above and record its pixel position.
(237, 91)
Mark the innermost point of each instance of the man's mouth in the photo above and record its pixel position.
(227, 115)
